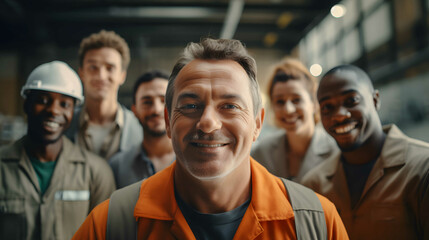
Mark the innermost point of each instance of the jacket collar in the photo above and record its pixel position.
(158, 193)
(392, 153)
(394, 149)
(84, 117)
(319, 143)
(70, 152)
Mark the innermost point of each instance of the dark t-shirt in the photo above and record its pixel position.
(356, 175)
(217, 226)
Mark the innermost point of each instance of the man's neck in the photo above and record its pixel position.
(101, 112)
(214, 196)
(159, 150)
(44, 152)
(368, 151)
(157, 146)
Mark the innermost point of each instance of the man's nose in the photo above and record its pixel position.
(290, 107)
(54, 108)
(209, 120)
(102, 73)
(341, 114)
(158, 106)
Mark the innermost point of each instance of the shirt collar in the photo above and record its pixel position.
(164, 205)
(119, 117)
(392, 153)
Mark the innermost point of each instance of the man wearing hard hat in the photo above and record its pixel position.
(48, 184)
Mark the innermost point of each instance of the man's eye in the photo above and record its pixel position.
(148, 103)
(230, 106)
(110, 68)
(296, 100)
(92, 67)
(351, 101)
(326, 108)
(280, 102)
(42, 100)
(189, 106)
(66, 104)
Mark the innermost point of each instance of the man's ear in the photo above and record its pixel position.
(376, 98)
(259, 122)
(124, 76)
(167, 122)
(133, 109)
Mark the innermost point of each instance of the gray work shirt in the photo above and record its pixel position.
(131, 166)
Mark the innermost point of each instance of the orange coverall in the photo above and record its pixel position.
(269, 215)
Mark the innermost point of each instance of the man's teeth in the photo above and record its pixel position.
(345, 129)
(52, 124)
(209, 145)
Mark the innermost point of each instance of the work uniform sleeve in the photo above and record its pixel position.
(94, 226)
(102, 182)
(334, 224)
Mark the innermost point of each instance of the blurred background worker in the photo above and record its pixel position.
(49, 184)
(304, 143)
(156, 151)
(102, 125)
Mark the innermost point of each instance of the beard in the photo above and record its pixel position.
(154, 133)
(151, 131)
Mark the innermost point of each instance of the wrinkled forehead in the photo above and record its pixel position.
(211, 69)
(214, 72)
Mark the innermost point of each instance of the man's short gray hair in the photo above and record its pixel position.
(217, 49)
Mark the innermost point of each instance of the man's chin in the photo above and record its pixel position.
(349, 147)
(46, 141)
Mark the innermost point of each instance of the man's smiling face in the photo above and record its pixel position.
(348, 108)
(212, 124)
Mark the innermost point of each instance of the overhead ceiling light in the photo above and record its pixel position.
(270, 39)
(316, 70)
(338, 11)
(161, 12)
(284, 20)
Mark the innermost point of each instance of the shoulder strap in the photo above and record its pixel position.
(309, 215)
(121, 223)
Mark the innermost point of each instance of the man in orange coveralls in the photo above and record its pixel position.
(214, 190)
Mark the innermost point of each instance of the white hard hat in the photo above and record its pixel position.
(56, 77)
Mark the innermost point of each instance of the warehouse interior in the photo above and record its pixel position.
(387, 38)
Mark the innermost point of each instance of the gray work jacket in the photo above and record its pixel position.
(272, 151)
(395, 201)
(80, 181)
(131, 132)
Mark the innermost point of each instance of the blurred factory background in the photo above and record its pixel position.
(387, 38)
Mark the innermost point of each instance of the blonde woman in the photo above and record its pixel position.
(304, 143)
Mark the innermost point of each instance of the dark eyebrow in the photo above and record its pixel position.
(152, 96)
(187, 95)
(342, 94)
(232, 96)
